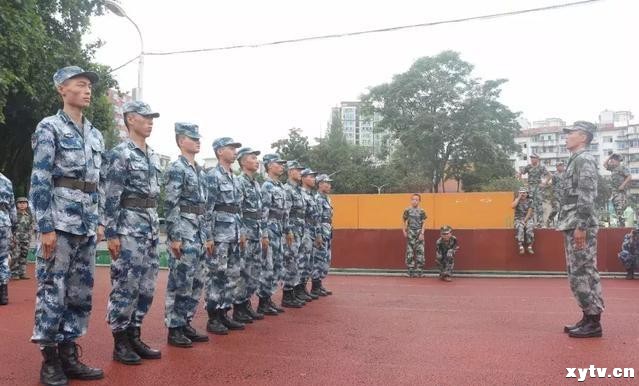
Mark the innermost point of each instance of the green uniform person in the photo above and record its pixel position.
(414, 219)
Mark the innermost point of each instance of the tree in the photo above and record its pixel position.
(36, 38)
(295, 147)
(438, 112)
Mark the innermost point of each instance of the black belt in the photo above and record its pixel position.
(137, 202)
(252, 215)
(227, 208)
(75, 183)
(298, 213)
(195, 209)
(276, 215)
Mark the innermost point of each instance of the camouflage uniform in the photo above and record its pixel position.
(618, 196)
(524, 230)
(275, 216)
(64, 197)
(253, 230)
(312, 231)
(414, 246)
(629, 254)
(579, 188)
(184, 203)
(296, 206)
(20, 251)
(556, 196)
(224, 217)
(445, 255)
(8, 223)
(536, 192)
(322, 255)
(132, 189)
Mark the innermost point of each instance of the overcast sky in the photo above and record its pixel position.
(569, 63)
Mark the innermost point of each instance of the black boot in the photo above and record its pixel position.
(324, 290)
(252, 313)
(51, 372)
(193, 335)
(274, 306)
(4, 294)
(629, 275)
(306, 292)
(123, 351)
(214, 325)
(141, 348)
(590, 329)
(300, 293)
(71, 365)
(240, 314)
(228, 323)
(263, 307)
(288, 299)
(177, 338)
(580, 323)
(316, 288)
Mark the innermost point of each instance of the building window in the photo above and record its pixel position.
(607, 139)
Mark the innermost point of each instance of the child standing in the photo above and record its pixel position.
(22, 242)
(414, 225)
(445, 249)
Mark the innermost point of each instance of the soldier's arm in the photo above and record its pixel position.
(102, 189)
(423, 217)
(13, 211)
(244, 227)
(627, 180)
(113, 189)
(41, 194)
(173, 184)
(266, 206)
(529, 212)
(586, 193)
(213, 193)
(627, 243)
(288, 205)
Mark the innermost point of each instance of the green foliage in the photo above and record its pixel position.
(36, 38)
(502, 184)
(438, 114)
(295, 147)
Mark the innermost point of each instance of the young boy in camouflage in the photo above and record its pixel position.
(524, 224)
(445, 249)
(22, 239)
(629, 254)
(414, 219)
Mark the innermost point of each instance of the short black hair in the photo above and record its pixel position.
(416, 195)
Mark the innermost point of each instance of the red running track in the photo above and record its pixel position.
(372, 331)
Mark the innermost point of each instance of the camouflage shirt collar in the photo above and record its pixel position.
(187, 163)
(66, 119)
(133, 145)
(250, 178)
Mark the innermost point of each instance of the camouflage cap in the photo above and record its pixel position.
(224, 142)
(272, 158)
(523, 189)
(69, 72)
(308, 172)
(585, 126)
(294, 164)
(246, 151)
(446, 229)
(22, 199)
(560, 163)
(616, 156)
(323, 178)
(139, 107)
(191, 130)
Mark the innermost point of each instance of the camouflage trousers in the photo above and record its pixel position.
(65, 286)
(524, 231)
(552, 217)
(538, 205)
(5, 247)
(619, 203)
(321, 260)
(628, 260)
(252, 257)
(185, 283)
(272, 265)
(291, 254)
(133, 277)
(305, 257)
(19, 257)
(445, 263)
(223, 275)
(414, 251)
(582, 272)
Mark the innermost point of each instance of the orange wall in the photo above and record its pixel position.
(460, 210)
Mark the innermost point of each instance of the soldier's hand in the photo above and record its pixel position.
(176, 249)
(210, 247)
(100, 233)
(114, 248)
(242, 242)
(421, 237)
(404, 232)
(319, 242)
(289, 239)
(580, 239)
(265, 242)
(48, 241)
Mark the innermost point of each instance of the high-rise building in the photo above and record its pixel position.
(359, 127)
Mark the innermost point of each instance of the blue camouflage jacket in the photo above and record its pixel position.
(274, 207)
(296, 207)
(8, 212)
(224, 189)
(325, 209)
(252, 228)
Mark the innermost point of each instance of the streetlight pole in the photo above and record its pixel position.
(117, 10)
(379, 187)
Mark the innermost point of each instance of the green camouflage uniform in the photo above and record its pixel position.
(535, 174)
(22, 244)
(414, 246)
(524, 230)
(618, 196)
(445, 255)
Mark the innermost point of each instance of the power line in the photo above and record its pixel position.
(366, 32)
